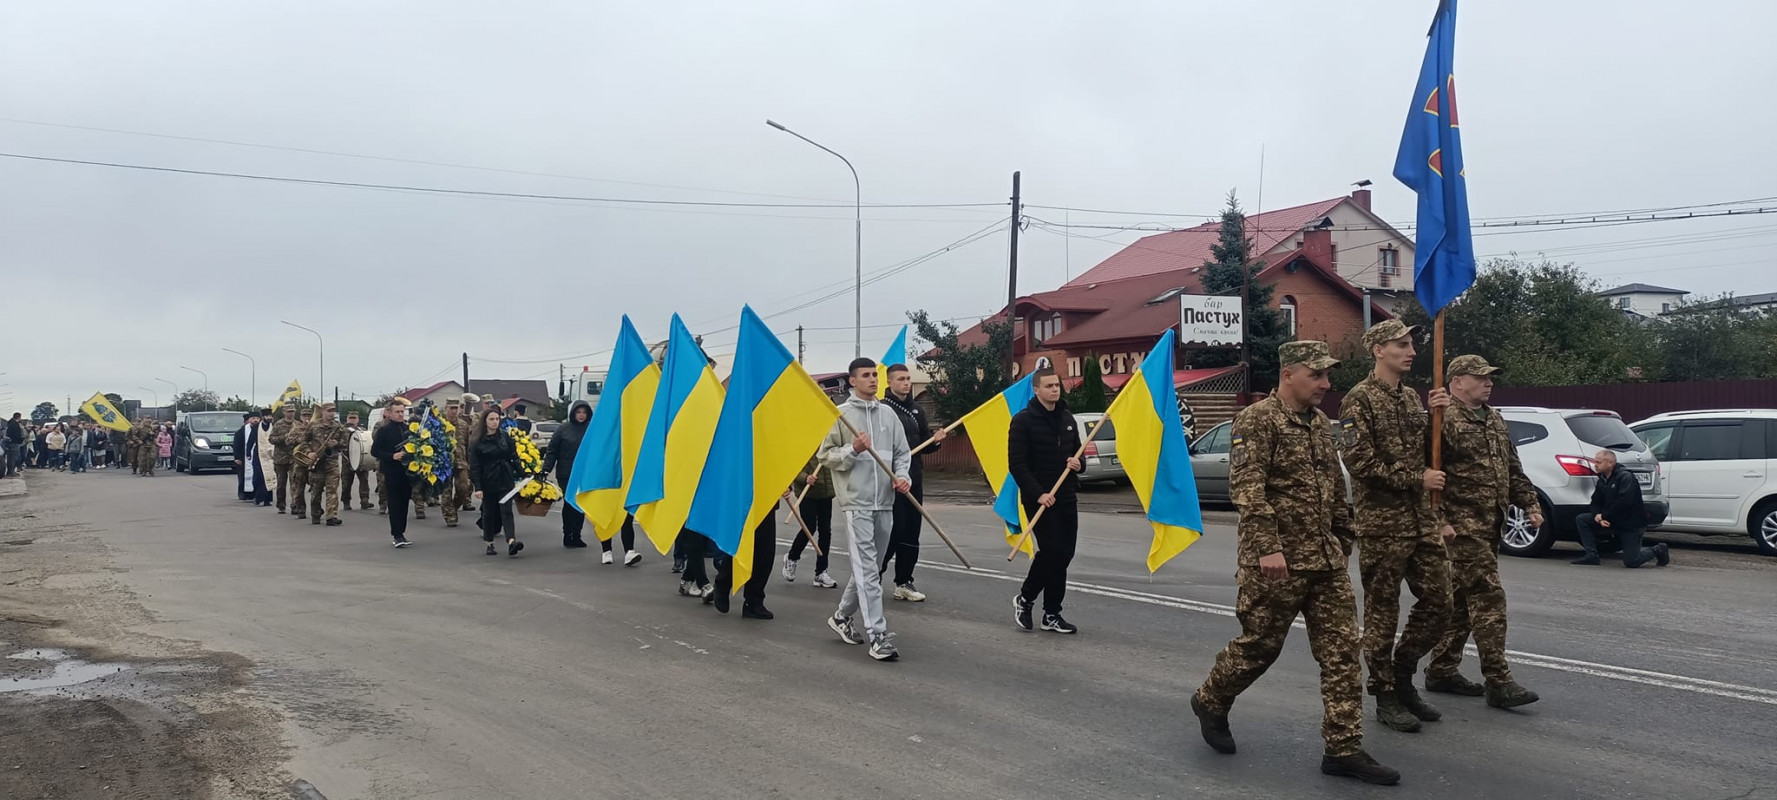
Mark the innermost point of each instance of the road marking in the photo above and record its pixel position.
(1732, 691)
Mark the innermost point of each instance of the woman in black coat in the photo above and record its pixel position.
(493, 471)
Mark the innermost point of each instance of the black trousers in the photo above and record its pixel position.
(764, 558)
(903, 546)
(1056, 533)
(692, 546)
(818, 513)
(400, 494)
(499, 519)
(1634, 555)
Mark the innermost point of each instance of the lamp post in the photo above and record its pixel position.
(253, 367)
(205, 375)
(858, 239)
(156, 399)
(320, 391)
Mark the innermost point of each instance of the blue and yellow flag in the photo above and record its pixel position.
(676, 441)
(897, 354)
(1151, 444)
(607, 457)
(772, 418)
(988, 428)
(1430, 163)
(102, 412)
(292, 394)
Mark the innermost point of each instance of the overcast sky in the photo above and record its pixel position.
(117, 277)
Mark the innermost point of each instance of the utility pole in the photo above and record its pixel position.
(801, 350)
(561, 381)
(1246, 273)
(465, 372)
(1012, 270)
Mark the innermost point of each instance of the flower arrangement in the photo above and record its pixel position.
(430, 445)
(540, 491)
(530, 460)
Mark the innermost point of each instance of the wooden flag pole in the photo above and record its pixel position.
(936, 528)
(1025, 536)
(804, 493)
(947, 429)
(797, 512)
(1437, 414)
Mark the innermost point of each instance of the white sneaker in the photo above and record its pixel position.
(882, 648)
(789, 569)
(843, 627)
(689, 589)
(905, 591)
(824, 581)
(605, 558)
(632, 558)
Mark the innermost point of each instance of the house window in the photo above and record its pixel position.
(1047, 327)
(1390, 261)
(1665, 308)
(1625, 303)
(1288, 309)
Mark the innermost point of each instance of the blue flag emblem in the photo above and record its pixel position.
(1430, 163)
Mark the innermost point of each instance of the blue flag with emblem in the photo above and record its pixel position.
(1430, 163)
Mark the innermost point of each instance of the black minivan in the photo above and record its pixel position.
(204, 440)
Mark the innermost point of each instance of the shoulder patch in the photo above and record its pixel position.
(1347, 432)
(1237, 450)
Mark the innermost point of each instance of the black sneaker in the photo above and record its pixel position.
(1587, 560)
(514, 548)
(1662, 554)
(1215, 727)
(334, 521)
(491, 551)
(678, 565)
(1360, 766)
(400, 543)
(721, 601)
(755, 611)
(1054, 622)
(1021, 611)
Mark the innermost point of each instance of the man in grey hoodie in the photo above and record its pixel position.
(867, 499)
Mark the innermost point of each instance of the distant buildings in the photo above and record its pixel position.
(1648, 301)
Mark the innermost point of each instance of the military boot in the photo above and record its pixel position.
(1361, 766)
(1390, 712)
(1453, 684)
(1215, 727)
(1409, 697)
(1509, 695)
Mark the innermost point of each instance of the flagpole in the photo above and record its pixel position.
(910, 498)
(947, 429)
(797, 512)
(1437, 413)
(1025, 536)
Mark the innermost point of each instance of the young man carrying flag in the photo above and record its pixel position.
(867, 498)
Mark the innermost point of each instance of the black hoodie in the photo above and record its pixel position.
(1038, 446)
(565, 444)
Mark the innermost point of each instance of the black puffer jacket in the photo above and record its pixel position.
(1038, 446)
(1617, 498)
(565, 444)
(493, 465)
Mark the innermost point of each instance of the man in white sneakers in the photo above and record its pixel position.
(866, 497)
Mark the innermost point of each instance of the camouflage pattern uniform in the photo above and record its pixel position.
(327, 437)
(147, 452)
(460, 491)
(1285, 482)
(299, 474)
(1384, 433)
(1484, 478)
(280, 454)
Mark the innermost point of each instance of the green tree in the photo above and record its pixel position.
(1231, 265)
(236, 403)
(1090, 394)
(44, 412)
(963, 375)
(196, 400)
(1711, 340)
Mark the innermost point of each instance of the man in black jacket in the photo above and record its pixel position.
(1616, 507)
(15, 443)
(904, 538)
(1041, 448)
(389, 445)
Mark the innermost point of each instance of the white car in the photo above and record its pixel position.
(1721, 471)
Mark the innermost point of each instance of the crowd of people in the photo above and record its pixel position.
(75, 446)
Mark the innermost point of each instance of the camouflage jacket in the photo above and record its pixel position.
(299, 432)
(280, 440)
(327, 436)
(1284, 479)
(1385, 435)
(1483, 471)
(459, 452)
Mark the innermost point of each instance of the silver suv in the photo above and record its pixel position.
(1556, 446)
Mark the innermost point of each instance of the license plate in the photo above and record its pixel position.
(1116, 462)
(1646, 479)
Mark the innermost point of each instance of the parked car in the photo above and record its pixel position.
(1556, 447)
(1721, 471)
(205, 440)
(542, 432)
(1100, 460)
(1209, 464)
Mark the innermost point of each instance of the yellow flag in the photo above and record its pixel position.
(101, 410)
(292, 394)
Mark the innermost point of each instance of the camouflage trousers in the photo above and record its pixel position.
(324, 480)
(1384, 562)
(146, 457)
(1265, 609)
(449, 501)
(362, 476)
(1478, 604)
(299, 490)
(283, 492)
(460, 488)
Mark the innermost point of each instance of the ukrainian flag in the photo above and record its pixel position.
(292, 394)
(676, 441)
(897, 354)
(1151, 445)
(102, 412)
(607, 457)
(988, 428)
(773, 417)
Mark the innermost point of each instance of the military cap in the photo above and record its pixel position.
(1388, 330)
(1471, 365)
(1311, 353)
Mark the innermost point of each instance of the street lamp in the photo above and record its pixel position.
(253, 366)
(858, 236)
(156, 398)
(200, 372)
(320, 391)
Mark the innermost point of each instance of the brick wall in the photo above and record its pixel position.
(1322, 312)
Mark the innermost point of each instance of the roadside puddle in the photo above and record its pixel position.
(68, 671)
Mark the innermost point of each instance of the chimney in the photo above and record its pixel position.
(1361, 197)
(1317, 244)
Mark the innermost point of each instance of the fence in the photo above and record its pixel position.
(1633, 401)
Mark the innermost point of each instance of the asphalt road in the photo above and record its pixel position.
(438, 672)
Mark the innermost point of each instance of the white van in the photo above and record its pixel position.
(1721, 471)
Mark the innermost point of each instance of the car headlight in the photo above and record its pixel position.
(201, 443)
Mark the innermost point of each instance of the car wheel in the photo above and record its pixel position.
(1519, 538)
(1763, 527)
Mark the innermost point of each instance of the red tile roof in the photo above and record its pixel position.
(1174, 250)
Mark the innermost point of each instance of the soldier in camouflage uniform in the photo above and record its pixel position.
(327, 436)
(447, 494)
(147, 452)
(1384, 433)
(299, 472)
(1484, 478)
(460, 488)
(280, 454)
(1295, 536)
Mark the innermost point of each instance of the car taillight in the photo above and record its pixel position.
(1577, 465)
(1092, 449)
